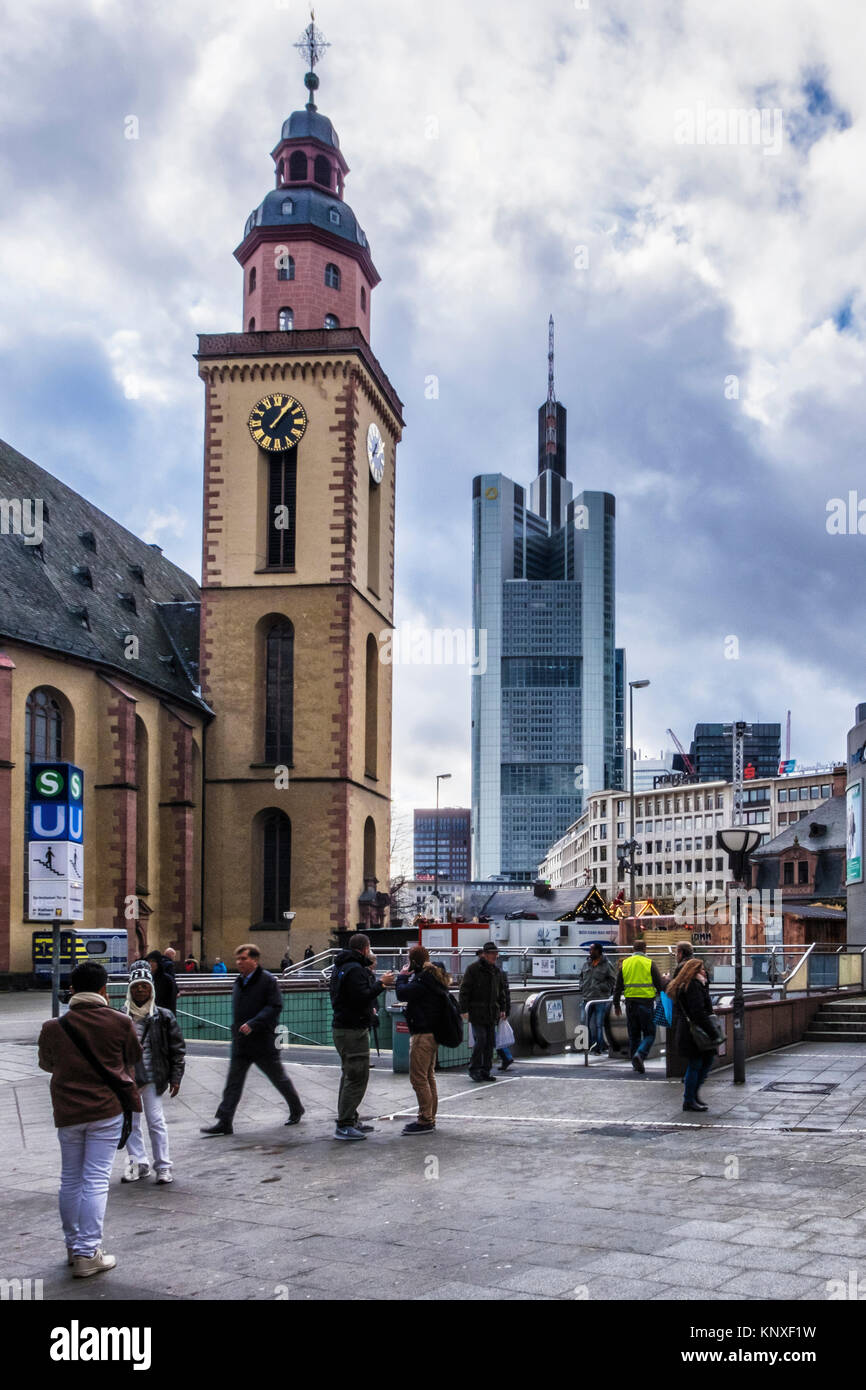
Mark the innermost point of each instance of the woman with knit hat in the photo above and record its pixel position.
(160, 1069)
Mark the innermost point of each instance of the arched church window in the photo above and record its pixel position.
(332, 276)
(252, 326)
(286, 321)
(298, 165)
(286, 268)
(371, 712)
(363, 299)
(279, 692)
(276, 867)
(288, 207)
(331, 321)
(282, 505)
(322, 171)
(252, 279)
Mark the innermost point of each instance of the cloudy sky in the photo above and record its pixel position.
(507, 161)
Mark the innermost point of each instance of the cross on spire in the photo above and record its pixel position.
(311, 46)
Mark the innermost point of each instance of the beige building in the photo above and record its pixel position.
(675, 828)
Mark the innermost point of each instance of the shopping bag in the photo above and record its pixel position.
(504, 1034)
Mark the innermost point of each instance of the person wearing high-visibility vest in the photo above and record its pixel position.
(639, 980)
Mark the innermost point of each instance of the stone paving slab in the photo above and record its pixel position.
(526, 1190)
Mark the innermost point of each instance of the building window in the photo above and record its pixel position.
(802, 872)
(286, 267)
(335, 217)
(332, 276)
(142, 807)
(276, 867)
(251, 327)
(286, 321)
(322, 171)
(331, 321)
(374, 534)
(371, 716)
(363, 300)
(787, 872)
(252, 279)
(282, 505)
(279, 692)
(288, 207)
(369, 848)
(297, 166)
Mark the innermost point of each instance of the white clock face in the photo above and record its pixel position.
(376, 453)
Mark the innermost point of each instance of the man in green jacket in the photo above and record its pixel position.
(597, 980)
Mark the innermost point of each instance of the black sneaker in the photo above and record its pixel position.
(487, 1077)
(637, 1063)
(219, 1128)
(416, 1127)
(506, 1063)
(365, 1129)
(476, 1076)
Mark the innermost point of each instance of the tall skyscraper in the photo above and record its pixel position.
(448, 842)
(547, 714)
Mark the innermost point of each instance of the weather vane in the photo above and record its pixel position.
(311, 46)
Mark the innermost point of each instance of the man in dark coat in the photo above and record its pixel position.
(484, 1002)
(354, 991)
(164, 983)
(256, 1006)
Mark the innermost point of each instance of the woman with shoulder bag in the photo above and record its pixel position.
(695, 1028)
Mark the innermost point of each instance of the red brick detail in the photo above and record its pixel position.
(7, 668)
(177, 878)
(120, 852)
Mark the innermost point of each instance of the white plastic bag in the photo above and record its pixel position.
(504, 1034)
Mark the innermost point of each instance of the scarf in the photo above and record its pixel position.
(140, 1010)
(85, 997)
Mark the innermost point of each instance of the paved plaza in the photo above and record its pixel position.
(557, 1182)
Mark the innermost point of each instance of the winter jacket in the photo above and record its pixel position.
(696, 1002)
(165, 986)
(78, 1095)
(354, 991)
(596, 980)
(220, 968)
(483, 993)
(258, 1003)
(161, 1036)
(425, 996)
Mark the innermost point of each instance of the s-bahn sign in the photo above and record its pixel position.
(56, 843)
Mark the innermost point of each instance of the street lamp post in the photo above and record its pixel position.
(440, 777)
(738, 844)
(632, 686)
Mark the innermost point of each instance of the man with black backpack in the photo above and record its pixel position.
(91, 1054)
(354, 991)
(429, 1014)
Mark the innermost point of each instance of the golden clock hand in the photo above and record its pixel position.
(279, 417)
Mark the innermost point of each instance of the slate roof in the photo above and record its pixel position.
(91, 583)
(307, 124)
(311, 207)
(830, 813)
(547, 909)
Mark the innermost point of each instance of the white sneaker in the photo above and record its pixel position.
(85, 1265)
(163, 1175)
(132, 1171)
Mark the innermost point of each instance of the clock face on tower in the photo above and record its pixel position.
(376, 453)
(277, 422)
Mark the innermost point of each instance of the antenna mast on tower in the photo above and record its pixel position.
(550, 435)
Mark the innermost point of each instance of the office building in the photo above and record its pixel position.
(712, 752)
(547, 713)
(449, 842)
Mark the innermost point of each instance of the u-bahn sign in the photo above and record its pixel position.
(56, 843)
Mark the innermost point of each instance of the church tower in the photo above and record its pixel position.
(301, 429)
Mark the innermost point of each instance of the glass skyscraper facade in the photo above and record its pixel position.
(547, 713)
(713, 756)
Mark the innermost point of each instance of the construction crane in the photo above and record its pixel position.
(687, 762)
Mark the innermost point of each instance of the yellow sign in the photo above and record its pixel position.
(492, 493)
